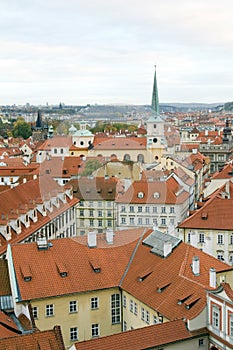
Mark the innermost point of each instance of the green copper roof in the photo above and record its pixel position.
(155, 97)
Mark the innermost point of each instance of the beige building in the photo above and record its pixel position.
(95, 286)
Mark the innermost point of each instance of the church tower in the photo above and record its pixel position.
(156, 142)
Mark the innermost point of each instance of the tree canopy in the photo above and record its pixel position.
(90, 167)
(21, 129)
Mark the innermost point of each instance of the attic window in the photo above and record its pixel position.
(95, 264)
(144, 275)
(191, 303)
(183, 299)
(62, 270)
(156, 195)
(110, 190)
(26, 273)
(161, 288)
(204, 216)
(140, 194)
(99, 190)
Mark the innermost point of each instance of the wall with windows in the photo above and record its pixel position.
(220, 318)
(82, 316)
(218, 243)
(95, 215)
(136, 314)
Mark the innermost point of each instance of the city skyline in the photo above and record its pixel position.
(104, 52)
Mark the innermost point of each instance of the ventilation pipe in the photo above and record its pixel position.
(109, 236)
(91, 239)
(213, 277)
(167, 249)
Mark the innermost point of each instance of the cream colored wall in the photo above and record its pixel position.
(135, 321)
(120, 170)
(83, 318)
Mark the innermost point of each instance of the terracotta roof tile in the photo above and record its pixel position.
(120, 143)
(5, 288)
(142, 338)
(46, 340)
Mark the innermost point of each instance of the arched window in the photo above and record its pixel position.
(126, 157)
(140, 158)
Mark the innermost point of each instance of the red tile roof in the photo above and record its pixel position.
(119, 143)
(121, 264)
(225, 173)
(5, 288)
(142, 338)
(215, 214)
(175, 274)
(169, 192)
(46, 340)
(75, 256)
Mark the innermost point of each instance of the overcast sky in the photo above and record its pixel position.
(104, 51)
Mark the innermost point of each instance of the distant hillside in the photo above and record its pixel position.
(228, 106)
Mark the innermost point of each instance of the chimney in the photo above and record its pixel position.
(212, 277)
(24, 180)
(91, 239)
(227, 189)
(109, 236)
(167, 248)
(196, 266)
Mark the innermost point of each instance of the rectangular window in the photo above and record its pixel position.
(147, 209)
(163, 221)
(131, 221)
(147, 317)
(94, 303)
(155, 319)
(81, 212)
(91, 212)
(109, 214)
(220, 239)
(90, 204)
(172, 210)
(73, 333)
(49, 310)
(100, 223)
(140, 209)
(99, 204)
(124, 300)
(216, 317)
(147, 221)
(123, 221)
(231, 326)
(131, 305)
(231, 239)
(143, 313)
(109, 204)
(201, 238)
(189, 237)
(73, 306)
(100, 213)
(131, 209)
(123, 209)
(115, 308)
(109, 223)
(95, 330)
(91, 222)
(124, 326)
(35, 312)
(201, 342)
(135, 309)
(154, 209)
(139, 221)
(163, 210)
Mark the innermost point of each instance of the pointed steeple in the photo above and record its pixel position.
(155, 97)
(39, 121)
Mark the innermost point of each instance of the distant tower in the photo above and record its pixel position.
(39, 121)
(227, 133)
(156, 142)
(39, 131)
(155, 96)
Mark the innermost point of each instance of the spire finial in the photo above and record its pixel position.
(155, 97)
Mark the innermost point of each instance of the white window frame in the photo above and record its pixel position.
(94, 303)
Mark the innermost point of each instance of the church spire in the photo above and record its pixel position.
(155, 97)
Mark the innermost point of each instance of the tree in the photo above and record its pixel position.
(21, 129)
(90, 167)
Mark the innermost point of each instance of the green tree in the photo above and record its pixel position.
(90, 167)
(21, 129)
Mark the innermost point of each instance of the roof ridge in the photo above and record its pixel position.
(132, 256)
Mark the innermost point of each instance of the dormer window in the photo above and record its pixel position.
(140, 194)
(156, 195)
